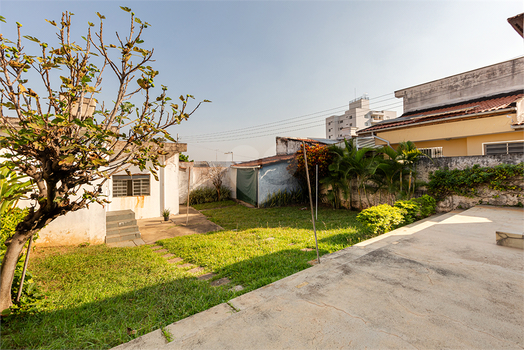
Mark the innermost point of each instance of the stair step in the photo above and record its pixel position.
(115, 224)
(120, 215)
(122, 237)
(122, 230)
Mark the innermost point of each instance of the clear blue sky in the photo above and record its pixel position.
(273, 62)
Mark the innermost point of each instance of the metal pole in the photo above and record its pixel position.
(316, 192)
(24, 270)
(188, 187)
(311, 201)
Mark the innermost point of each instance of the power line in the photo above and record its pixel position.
(284, 121)
(245, 133)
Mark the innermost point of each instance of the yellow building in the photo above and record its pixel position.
(480, 112)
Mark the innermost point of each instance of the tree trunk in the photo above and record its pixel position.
(409, 185)
(7, 272)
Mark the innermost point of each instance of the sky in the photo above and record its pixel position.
(279, 68)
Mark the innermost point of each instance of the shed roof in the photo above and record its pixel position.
(265, 161)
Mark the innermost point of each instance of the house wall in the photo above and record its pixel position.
(163, 193)
(273, 178)
(458, 138)
(82, 226)
(498, 78)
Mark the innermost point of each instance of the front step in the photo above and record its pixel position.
(121, 226)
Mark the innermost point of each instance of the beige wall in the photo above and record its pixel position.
(460, 138)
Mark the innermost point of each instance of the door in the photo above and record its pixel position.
(247, 185)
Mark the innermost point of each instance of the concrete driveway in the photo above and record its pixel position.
(442, 283)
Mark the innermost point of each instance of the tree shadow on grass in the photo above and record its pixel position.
(109, 322)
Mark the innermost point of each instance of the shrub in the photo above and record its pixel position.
(467, 182)
(208, 195)
(410, 210)
(381, 218)
(427, 205)
(283, 198)
(30, 293)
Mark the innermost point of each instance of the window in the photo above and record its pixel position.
(128, 186)
(503, 148)
(340, 122)
(433, 152)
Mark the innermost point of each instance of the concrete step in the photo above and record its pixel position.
(122, 237)
(120, 215)
(115, 224)
(122, 230)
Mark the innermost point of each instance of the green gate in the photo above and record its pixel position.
(247, 185)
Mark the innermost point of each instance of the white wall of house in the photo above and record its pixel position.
(163, 193)
(82, 226)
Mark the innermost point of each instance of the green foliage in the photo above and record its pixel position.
(381, 218)
(12, 188)
(208, 195)
(30, 292)
(467, 182)
(410, 211)
(427, 205)
(284, 198)
(316, 155)
(184, 158)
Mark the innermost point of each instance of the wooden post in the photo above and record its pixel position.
(24, 270)
(311, 201)
(188, 187)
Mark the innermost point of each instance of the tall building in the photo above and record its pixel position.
(359, 116)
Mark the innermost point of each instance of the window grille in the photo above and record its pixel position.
(128, 186)
(433, 152)
(503, 148)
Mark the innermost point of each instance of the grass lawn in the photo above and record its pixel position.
(99, 297)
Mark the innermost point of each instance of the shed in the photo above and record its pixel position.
(257, 180)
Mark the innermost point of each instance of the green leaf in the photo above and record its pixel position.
(67, 160)
(101, 16)
(127, 9)
(51, 22)
(32, 38)
(137, 20)
(2, 18)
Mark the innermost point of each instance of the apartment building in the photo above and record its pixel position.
(358, 116)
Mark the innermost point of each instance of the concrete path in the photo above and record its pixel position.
(440, 283)
(156, 229)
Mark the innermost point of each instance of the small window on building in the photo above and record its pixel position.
(129, 186)
(504, 148)
(340, 122)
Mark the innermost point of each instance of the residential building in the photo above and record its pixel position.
(358, 116)
(473, 113)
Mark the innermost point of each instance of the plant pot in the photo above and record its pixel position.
(166, 218)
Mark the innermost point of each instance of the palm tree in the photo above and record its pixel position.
(388, 169)
(408, 155)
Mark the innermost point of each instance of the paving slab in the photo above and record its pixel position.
(206, 277)
(155, 229)
(175, 260)
(443, 284)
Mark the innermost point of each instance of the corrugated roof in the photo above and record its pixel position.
(485, 104)
(265, 161)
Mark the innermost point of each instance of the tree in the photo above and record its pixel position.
(316, 155)
(216, 176)
(54, 135)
